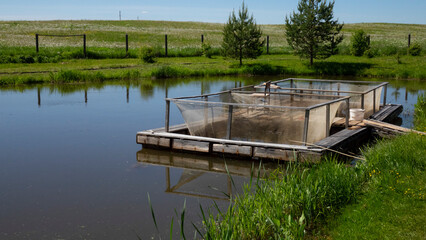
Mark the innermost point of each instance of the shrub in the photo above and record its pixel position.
(207, 50)
(359, 43)
(148, 55)
(370, 53)
(415, 49)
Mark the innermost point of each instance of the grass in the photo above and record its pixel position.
(284, 65)
(106, 39)
(382, 197)
(287, 204)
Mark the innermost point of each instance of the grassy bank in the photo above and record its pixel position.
(393, 204)
(87, 70)
(382, 197)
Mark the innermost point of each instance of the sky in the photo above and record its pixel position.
(264, 11)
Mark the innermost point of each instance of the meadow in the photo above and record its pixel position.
(107, 58)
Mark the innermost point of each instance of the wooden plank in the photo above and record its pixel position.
(390, 127)
(226, 141)
(154, 141)
(387, 113)
(232, 149)
(189, 145)
(345, 139)
(274, 153)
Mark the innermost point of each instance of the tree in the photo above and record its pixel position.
(359, 43)
(312, 32)
(241, 36)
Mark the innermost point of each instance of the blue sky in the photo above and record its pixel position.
(265, 11)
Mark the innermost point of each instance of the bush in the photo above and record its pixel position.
(207, 50)
(148, 55)
(359, 43)
(415, 49)
(370, 53)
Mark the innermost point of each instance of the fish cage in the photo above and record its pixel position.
(363, 94)
(270, 116)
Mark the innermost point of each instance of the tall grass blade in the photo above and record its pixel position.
(171, 229)
(152, 213)
(182, 219)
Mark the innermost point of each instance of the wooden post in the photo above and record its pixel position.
(409, 40)
(85, 96)
(228, 129)
(202, 38)
(362, 101)
(127, 44)
(385, 93)
(368, 40)
(374, 100)
(165, 43)
(84, 45)
(305, 128)
(267, 44)
(167, 115)
(327, 120)
(36, 38)
(347, 114)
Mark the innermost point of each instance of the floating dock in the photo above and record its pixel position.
(298, 120)
(178, 139)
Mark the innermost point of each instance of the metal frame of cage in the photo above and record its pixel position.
(231, 105)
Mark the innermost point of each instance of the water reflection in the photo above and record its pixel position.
(204, 176)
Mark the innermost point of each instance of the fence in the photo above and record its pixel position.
(166, 44)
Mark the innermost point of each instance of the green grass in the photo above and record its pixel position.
(106, 39)
(382, 197)
(284, 65)
(288, 204)
(392, 205)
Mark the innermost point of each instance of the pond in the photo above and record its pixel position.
(70, 167)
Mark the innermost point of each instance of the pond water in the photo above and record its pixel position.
(70, 167)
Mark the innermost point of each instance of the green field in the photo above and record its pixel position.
(106, 57)
(111, 34)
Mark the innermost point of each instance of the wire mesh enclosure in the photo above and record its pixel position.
(251, 115)
(363, 94)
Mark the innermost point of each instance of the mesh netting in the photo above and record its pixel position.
(339, 89)
(257, 116)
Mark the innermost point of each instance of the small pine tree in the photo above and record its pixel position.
(359, 43)
(241, 36)
(312, 32)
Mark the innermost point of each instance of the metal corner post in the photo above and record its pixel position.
(327, 120)
(228, 129)
(167, 115)
(347, 113)
(305, 128)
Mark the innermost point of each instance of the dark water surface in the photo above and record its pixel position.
(70, 169)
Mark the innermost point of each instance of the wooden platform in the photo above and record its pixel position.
(178, 139)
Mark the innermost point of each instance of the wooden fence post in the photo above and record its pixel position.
(84, 45)
(165, 43)
(36, 38)
(202, 38)
(127, 44)
(409, 40)
(267, 44)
